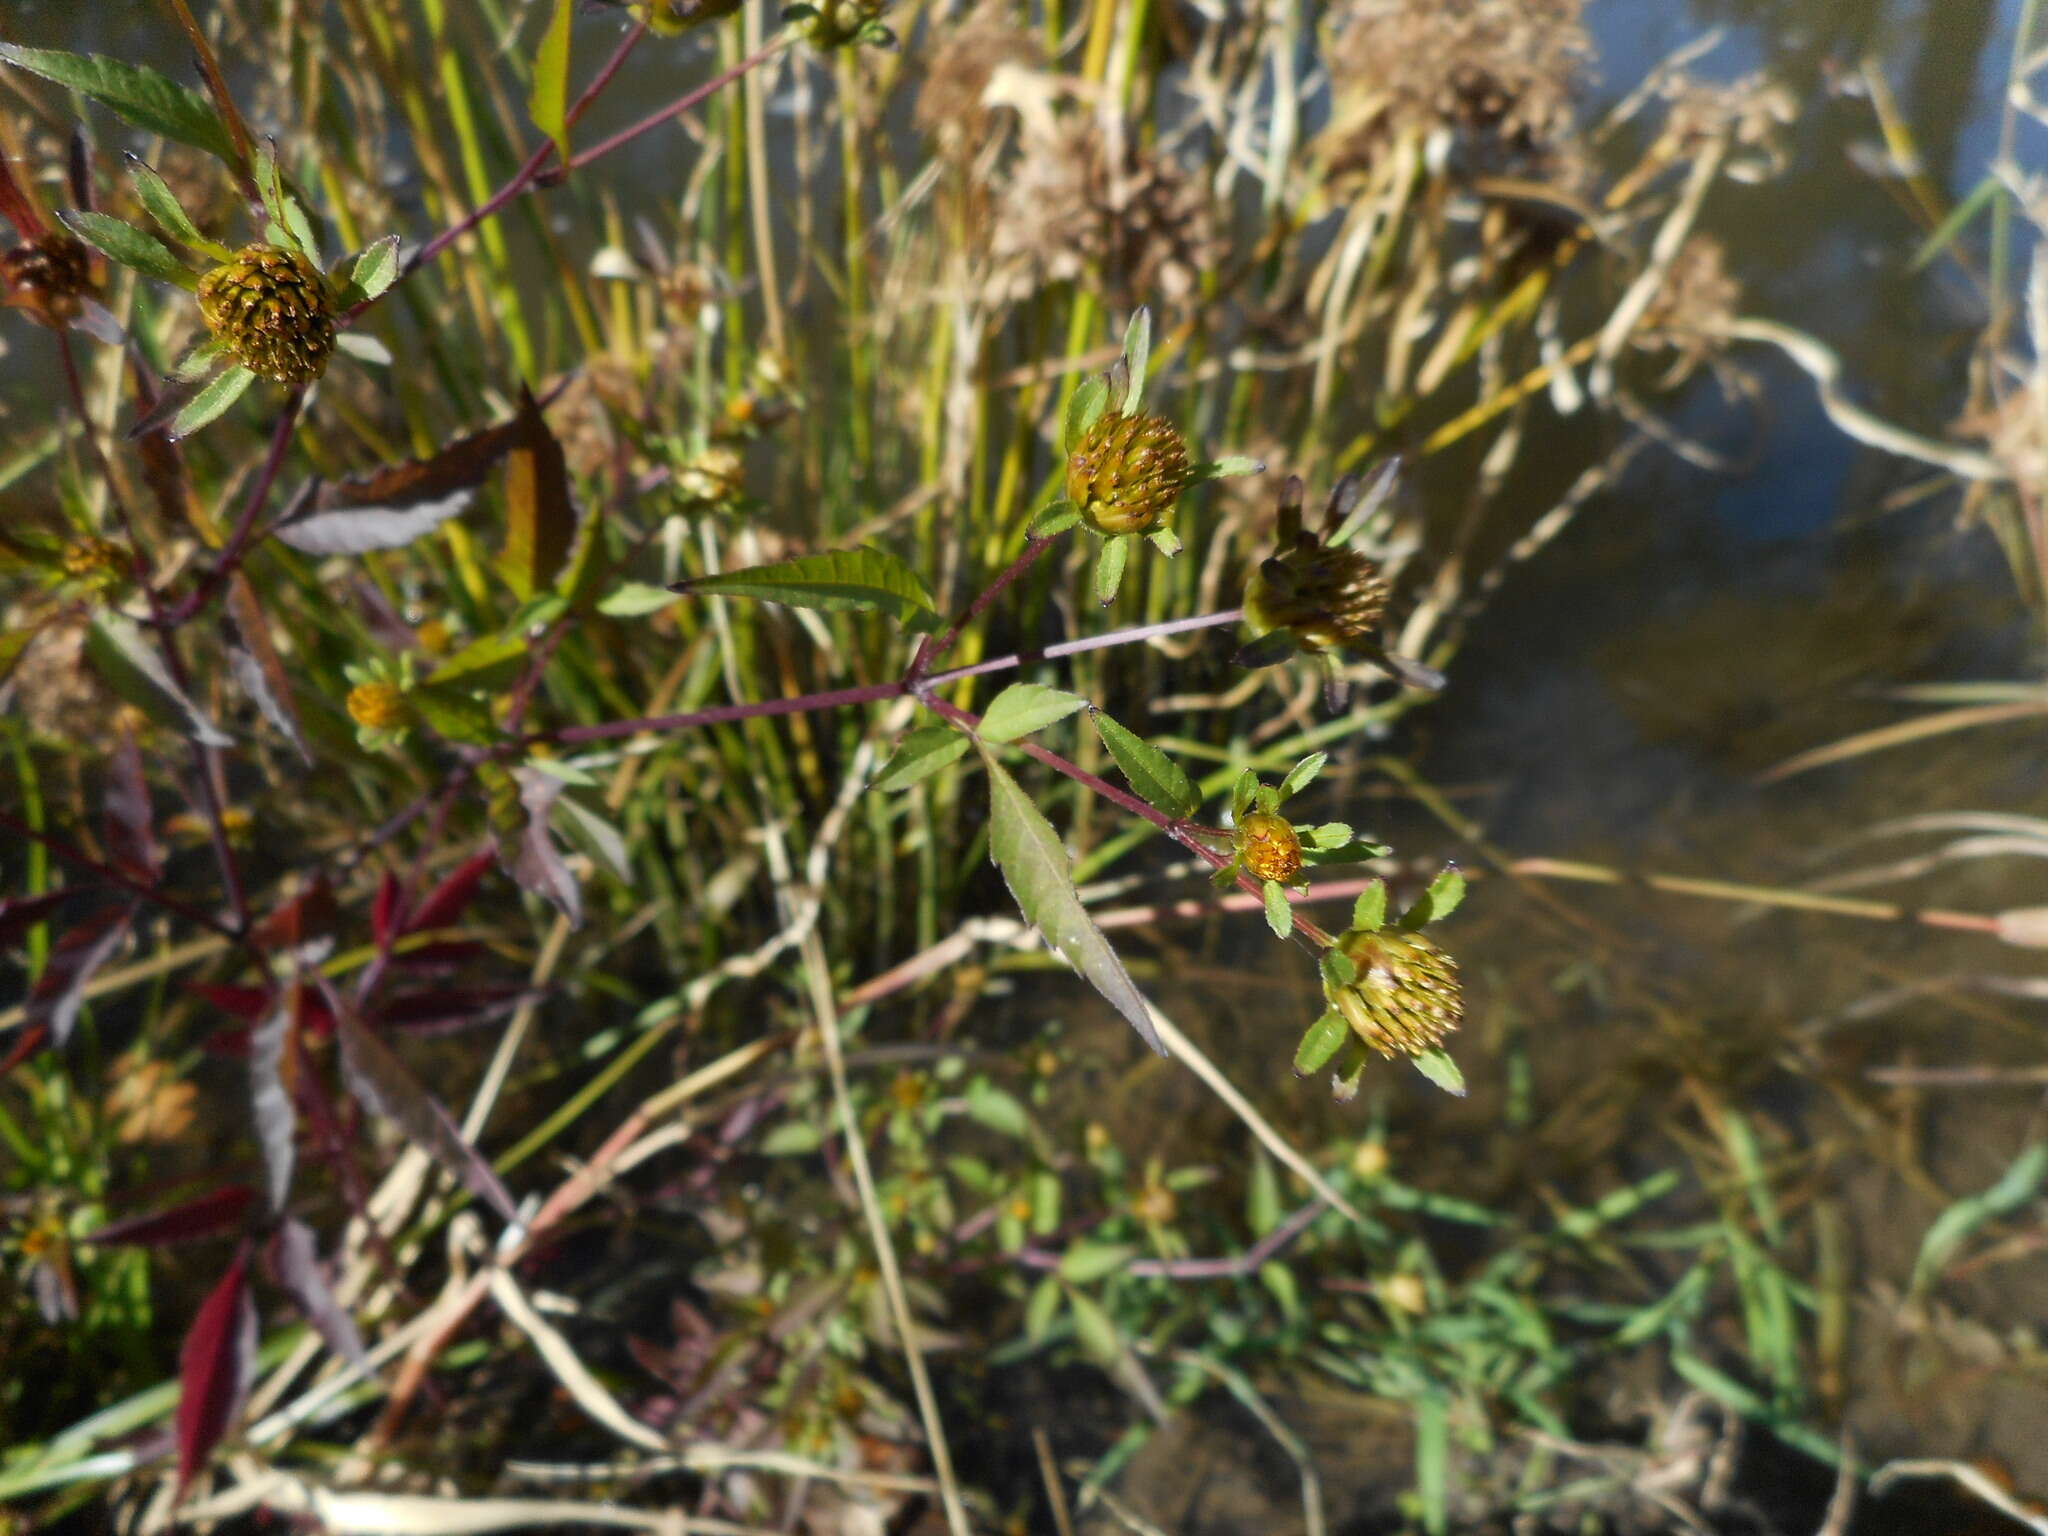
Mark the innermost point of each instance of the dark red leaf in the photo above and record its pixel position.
(18, 914)
(307, 916)
(447, 955)
(293, 1260)
(447, 901)
(441, 1011)
(248, 1004)
(26, 1044)
(384, 913)
(214, 1367)
(232, 1043)
(207, 1216)
(130, 825)
(380, 1080)
(59, 992)
(270, 1104)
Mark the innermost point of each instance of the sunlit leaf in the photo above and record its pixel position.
(1137, 357)
(921, 754)
(1157, 778)
(162, 205)
(1054, 519)
(389, 508)
(1279, 910)
(1438, 1067)
(131, 247)
(1084, 408)
(293, 1259)
(1023, 708)
(538, 864)
(1109, 568)
(1445, 892)
(375, 269)
(1035, 867)
(634, 600)
(549, 100)
(1370, 910)
(364, 348)
(1217, 469)
(270, 1105)
(131, 92)
(1302, 774)
(205, 407)
(540, 512)
(840, 581)
(1320, 1043)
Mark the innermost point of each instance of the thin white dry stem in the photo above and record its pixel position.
(825, 1009)
(569, 1370)
(391, 1514)
(1220, 1085)
(1671, 238)
(718, 1458)
(1970, 1478)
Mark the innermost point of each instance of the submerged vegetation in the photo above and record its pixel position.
(612, 713)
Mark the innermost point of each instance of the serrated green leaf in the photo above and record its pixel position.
(1137, 357)
(288, 225)
(1320, 1043)
(1217, 469)
(1084, 408)
(1279, 910)
(846, 580)
(1338, 969)
(1302, 774)
(199, 360)
(1054, 520)
(1109, 568)
(1157, 778)
(1087, 1262)
(920, 755)
(133, 93)
(1328, 837)
(162, 205)
(375, 269)
(1438, 1067)
(1023, 708)
(1370, 910)
(215, 398)
(1093, 1330)
(130, 246)
(1035, 867)
(1166, 541)
(1042, 1308)
(1439, 901)
(549, 100)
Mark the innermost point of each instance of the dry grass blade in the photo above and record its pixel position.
(1906, 731)
(569, 1369)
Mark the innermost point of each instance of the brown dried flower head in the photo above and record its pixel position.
(275, 309)
(951, 105)
(49, 278)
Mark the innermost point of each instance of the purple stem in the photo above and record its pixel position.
(930, 650)
(106, 874)
(238, 541)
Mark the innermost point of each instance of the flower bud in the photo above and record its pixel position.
(1126, 473)
(376, 706)
(95, 563)
(1268, 846)
(275, 309)
(1405, 997)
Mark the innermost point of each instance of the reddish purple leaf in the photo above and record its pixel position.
(384, 913)
(214, 1367)
(447, 901)
(26, 1044)
(59, 993)
(231, 1043)
(434, 1012)
(380, 1080)
(18, 914)
(539, 866)
(445, 956)
(248, 1004)
(207, 1216)
(130, 825)
(310, 915)
(270, 1102)
(392, 507)
(293, 1260)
